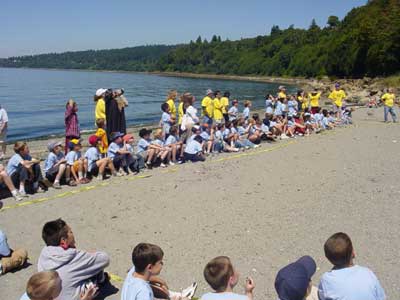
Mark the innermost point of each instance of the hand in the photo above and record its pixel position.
(89, 293)
(249, 287)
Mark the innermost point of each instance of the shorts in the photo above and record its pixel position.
(75, 166)
(336, 108)
(143, 154)
(94, 171)
(52, 173)
(3, 136)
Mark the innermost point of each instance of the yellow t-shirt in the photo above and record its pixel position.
(281, 95)
(337, 97)
(217, 109)
(207, 105)
(180, 113)
(100, 112)
(225, 104)
(304, 102)
(388, 99)
(314, 99)
(172, 108)
(101, 133)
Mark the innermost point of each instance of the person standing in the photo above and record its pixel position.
(171, 102)
(217, 105)
(388, 100)
(337, 96)
(207, 107)
(3, 131)
(225, 105)
(314, 97)
(100, 111)
(72, 130)
(115, 111)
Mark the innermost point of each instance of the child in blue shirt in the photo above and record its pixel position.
(119, 155)
(96, 163)
(233, 112)
(76, 164)
(166, 119)
(347, 280)
(194, 150)
(164, 153)
(246, 110)
(146, 149)
(138, 161)
(175, 144)
(55, 164)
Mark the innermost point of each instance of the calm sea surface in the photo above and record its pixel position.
(35, 99)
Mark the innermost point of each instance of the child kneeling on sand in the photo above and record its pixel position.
(55, 164)
(76, 268)
(47, 285)
(142, 279)
(222, 277)
(347, 280)
(194, 150)
(76, 164)
(97, 164)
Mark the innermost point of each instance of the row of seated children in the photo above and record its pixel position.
(82, 274)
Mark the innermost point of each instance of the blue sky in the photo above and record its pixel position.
(42, 26)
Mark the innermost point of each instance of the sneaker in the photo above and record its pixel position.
(171, 163)
(162, 165)
(56, 185)
(256, 146)
(189, 291)
(148, 165)
(99, 177)
(40, 190)
(18, 197)
(23, 194)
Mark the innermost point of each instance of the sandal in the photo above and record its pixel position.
(72, 183)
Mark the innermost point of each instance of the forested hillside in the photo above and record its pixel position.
(365, 43)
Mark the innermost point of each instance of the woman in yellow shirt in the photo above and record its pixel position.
(100, 110)
(217, 114)
(172, 94)
(302, 100)
(225, 105)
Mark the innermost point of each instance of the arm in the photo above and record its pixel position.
(249, 288)
(86, 265)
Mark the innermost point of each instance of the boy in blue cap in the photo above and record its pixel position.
(293, 282)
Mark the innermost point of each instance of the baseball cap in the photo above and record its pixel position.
(209, 91)
(100, 92)
(93, 140)
(51, 145)
(127, 137)
(292, 281)
(144, 131)
(116, 135)
(281, 87)
(337, 84)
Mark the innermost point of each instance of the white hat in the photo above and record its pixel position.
(100, 92)
(209, 92)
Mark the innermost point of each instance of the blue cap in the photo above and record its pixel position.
(116, 135)
(292, 281)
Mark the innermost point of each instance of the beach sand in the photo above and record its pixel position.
(263, 208)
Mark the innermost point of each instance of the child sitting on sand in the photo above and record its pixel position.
(175, 144)
(76, 268)
(194, 150)
(118, 153)
(10, 259)
(76, 164)
(96, 163)
(220, 144)
(146, 149)
(102, 135)
(142, 279)
(347, 280)
(164, 153)
(55, 164)
(207, 134)
(6, 182)
(222, 277)
(138, 161)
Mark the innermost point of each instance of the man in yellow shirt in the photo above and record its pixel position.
(388, 100)
(314, 101)
(171, 102)
(337, 96)
(217, 113)
(208, 107)
(225, 105)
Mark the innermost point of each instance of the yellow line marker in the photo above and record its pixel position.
(115, 277)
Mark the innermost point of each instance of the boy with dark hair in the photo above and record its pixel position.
(76, 268)
(194, 150)
(347, 280)
(142, 278)
(97, 164)
(222, 277)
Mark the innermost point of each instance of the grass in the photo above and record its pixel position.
(392, 81)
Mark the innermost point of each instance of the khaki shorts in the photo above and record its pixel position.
(3, 136)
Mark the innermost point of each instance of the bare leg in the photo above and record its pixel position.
(61, 170)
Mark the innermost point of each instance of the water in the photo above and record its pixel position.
(35, 99)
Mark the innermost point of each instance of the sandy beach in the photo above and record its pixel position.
(264, 208)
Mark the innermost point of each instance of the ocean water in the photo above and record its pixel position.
(35, 99)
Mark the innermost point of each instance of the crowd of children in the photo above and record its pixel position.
(65, 272)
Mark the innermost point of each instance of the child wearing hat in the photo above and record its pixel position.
(76, 164)
(97, 164)
(120, 157)
(55, 164)
(293, 282)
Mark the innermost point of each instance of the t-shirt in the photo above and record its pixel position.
(337, 97)
(166, 122)
(314, 99)
(180, 113)
(207, 105)
(92, 155)
(225, 104)
(171, 139)
(246, 113)
(158, 142)
(388, 99)
(4, 248)
(268, 105)
(226, 133)
(13, 163)
(72, 156)
(219, 135)
(278, 108)
(325, 122)
(223, 296)
(3, 116)
(282, 95)
(205, 135)
(113, 148)
(51, 160)
(100, 109)
(241, 130)
(136, 288)
(101, 133)
(129, 148)
(292, 105)
(217, 109)
(193, 147)
(355, 283)
(172, 107)
(142, 145)
(233, 113)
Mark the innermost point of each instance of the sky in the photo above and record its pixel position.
(45, 26)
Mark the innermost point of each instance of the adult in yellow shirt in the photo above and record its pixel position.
(388, 100)
(282, 92)
(302, 100)
(314, 100)
(172, 94)
(337, 96)
(225, 105)
(180, 112)
(208, 107)
(217, 113)
(100, 110)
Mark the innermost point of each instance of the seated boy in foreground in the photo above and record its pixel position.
(222, 277)
(76, 268)
(347, 280)
(147, 265)
(10, 259)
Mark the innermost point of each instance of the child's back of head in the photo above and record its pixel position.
(145, 254)
(339, 250)
(218, 272)
(44, 285)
